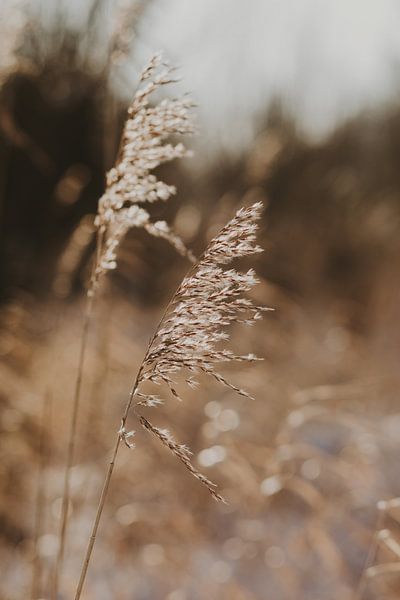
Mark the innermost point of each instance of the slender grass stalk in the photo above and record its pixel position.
(71, 448)
(121, 435)
(103, 496)
(97, 520)
(74, 420)
(40, 498)
(104, 492)
(186, 338)
(98, 390)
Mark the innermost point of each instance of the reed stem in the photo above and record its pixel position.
(71, 450)
(104, 492)
(74, 421)
(95, 527)
(40, 498)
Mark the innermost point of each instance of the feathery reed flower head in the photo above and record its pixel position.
(209, 299)
(130, 183)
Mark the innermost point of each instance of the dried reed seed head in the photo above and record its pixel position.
(208, 300)
(130, 182)
(189, 337)
(237, 238)
(182, 453)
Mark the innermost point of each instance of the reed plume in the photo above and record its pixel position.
(188, 338)
(130, 184)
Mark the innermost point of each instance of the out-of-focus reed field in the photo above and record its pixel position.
(310, 468)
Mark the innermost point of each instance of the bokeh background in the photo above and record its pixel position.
(297, 106)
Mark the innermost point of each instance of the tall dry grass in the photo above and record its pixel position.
(187, 338)
(130, 185)
(302, 467)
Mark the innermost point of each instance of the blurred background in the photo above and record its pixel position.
(297, 106)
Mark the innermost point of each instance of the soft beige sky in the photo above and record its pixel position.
(324, 59)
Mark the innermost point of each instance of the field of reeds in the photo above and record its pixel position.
(146, 453)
